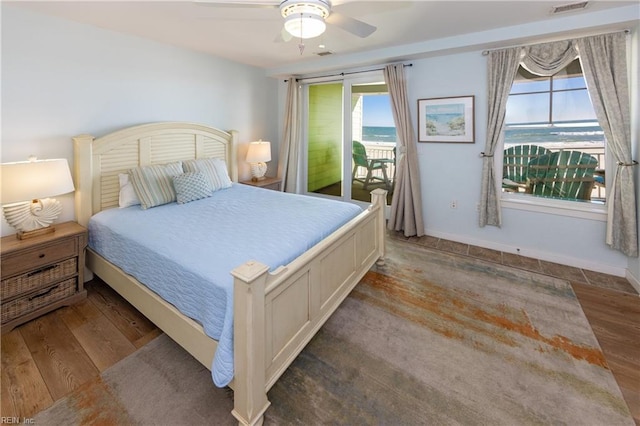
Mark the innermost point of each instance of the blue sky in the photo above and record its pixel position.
(377, 111)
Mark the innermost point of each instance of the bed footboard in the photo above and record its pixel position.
(276, 314)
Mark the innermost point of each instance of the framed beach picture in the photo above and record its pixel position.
(446, 120)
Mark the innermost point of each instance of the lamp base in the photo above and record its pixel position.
(23, 235)
(257, 171)
(32, 216)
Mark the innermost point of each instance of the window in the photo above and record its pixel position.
(553, 144)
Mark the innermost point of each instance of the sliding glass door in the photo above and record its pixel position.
(350, 138)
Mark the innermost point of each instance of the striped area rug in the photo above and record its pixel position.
(428, 338)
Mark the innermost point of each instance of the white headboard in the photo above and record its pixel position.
(98, 161)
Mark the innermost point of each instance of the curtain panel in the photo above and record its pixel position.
(406, 203)
(604, 63)
(502, 69)
(603, 60)
(289, 155)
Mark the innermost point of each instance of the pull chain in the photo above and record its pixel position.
(301, 44)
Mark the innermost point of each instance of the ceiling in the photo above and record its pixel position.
(248, 34)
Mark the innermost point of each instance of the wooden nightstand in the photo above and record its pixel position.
(41, 274)
(267, 183)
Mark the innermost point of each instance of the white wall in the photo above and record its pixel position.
(61, 79)
(452, 172)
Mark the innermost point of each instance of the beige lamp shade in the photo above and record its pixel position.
(259, 152)
(33, 180)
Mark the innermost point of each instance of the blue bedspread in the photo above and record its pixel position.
(185, 252)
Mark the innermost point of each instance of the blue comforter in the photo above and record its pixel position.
(185, 252)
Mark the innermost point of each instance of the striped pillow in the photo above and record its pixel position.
(214, 169)
(154, 184)
(191, 187)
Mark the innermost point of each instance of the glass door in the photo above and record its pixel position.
(351, 139)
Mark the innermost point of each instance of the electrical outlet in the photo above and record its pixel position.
(453, 204)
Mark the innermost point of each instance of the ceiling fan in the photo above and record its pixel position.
(304, 18)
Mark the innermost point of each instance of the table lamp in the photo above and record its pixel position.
(25, 188)
(258, 155)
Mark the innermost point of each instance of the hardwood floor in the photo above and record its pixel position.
(49, 357)
(615, 320)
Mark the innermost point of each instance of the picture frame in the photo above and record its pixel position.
(448, 120)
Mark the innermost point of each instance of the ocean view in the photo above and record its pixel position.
(378, 134)
(513, 136)
(561, 135)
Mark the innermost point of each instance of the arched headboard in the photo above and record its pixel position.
(98, 161)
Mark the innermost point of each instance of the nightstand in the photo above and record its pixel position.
(267, 183)
(41, 274)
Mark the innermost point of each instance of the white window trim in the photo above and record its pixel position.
(532, 203)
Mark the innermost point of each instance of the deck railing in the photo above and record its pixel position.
(382, 150)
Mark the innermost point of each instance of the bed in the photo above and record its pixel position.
(270, 325)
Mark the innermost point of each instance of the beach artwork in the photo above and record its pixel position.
(446, 120)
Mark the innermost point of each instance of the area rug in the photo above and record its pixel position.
(428, 338)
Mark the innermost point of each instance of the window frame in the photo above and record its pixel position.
(520, 201)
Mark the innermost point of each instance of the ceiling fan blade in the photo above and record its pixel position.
(238, 3)
(354, 26)
(283, 36)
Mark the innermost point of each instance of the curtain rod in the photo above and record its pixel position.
(486, 52)
(342, 74)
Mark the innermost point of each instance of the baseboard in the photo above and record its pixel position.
(635, 282)
(536, 254)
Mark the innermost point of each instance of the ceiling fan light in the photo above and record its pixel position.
(305, 25)
(321, 8)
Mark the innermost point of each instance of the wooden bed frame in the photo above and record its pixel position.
(275, 314)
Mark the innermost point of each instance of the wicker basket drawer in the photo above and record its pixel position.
(39, 278)
(24, 305)
(39, 257)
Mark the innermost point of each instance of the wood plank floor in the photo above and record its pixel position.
(49, 357)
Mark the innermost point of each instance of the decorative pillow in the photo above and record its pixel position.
(191, 186)
(127, 196)
(214, 169)
(154, 184)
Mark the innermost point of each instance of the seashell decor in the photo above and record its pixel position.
(34, 215)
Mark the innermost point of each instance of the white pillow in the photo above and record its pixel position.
(127, 197)
(214, 168)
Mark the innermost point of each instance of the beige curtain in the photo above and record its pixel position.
(604, 63)
(289, 155)
(406, 203)
(502, 68)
